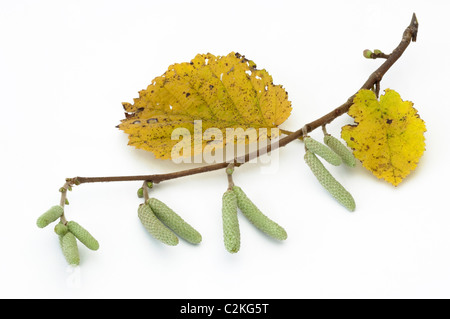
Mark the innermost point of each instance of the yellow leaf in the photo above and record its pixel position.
(221, 91)
(389, 136)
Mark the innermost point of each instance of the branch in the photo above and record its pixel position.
(410, 34)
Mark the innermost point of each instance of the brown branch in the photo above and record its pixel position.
(410, 34)
(380, 55)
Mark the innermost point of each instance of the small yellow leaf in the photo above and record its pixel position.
(389, 136)
(221, 91)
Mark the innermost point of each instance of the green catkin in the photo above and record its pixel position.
(256, 217)
(155, 227)
(83, 235)
(347, 156)
(231, 232)
(50, 216)
(329, 182)
(70, 248)
(322, 150)
(174, 221)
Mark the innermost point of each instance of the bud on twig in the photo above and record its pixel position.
(140, 192)
(61, 229)
(367, 54)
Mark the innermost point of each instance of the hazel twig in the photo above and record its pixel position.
(410, 34)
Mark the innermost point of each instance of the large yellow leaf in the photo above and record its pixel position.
(221, 91)
(389, 136)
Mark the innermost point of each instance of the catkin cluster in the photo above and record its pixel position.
(233, 199)
(69, 233)
(335, 153)
(164, 224)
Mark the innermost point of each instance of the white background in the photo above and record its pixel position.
(65, 68)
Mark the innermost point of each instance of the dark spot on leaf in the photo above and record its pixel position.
(352, 139)
(211, 86)
(187, 94)
(388, 121)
